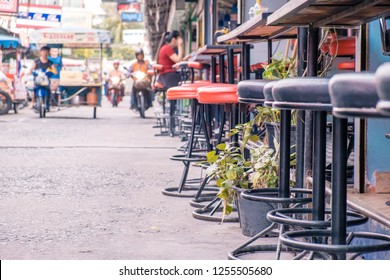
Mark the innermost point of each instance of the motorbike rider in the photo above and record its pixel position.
(117, 73)
(140, 65)
(43, 63)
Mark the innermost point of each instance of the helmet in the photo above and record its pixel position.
(116, 61)
(139, 51)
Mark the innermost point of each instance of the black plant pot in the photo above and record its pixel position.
(273, 131)
(252, 214)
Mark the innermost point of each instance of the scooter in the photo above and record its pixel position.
(5, 97)
(5, 102)
(141, 88)
(114, 85)
(41, 91)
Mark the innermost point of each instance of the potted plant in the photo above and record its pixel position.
(234, 173)
(280, 68)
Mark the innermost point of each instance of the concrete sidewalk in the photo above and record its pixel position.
(72, 187)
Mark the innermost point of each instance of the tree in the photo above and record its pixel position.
(113, 23)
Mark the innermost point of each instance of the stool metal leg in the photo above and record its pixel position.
(339, 182)
(319, 163)
(285, 140)
(300, 150)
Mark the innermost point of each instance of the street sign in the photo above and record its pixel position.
(131, 17)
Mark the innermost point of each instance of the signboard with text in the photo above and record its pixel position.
(38, 16)
(131, 17)
(9, 6)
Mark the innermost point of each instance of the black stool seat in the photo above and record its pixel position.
(302, 93)
(251, 91)
(382, 76)
(267, 91)
(354, 95)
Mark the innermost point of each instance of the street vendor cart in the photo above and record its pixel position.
(12, 92)
(78, 87)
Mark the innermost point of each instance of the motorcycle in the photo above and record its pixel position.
(41, 91)
(5, 95)
(141, 88)
(114, 86)
(5, 102)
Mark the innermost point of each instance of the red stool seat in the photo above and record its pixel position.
(185, 91)
(343, 47)
(349, 65)
(195, 65)
(221, 94)
(179, 92)
(197, 83)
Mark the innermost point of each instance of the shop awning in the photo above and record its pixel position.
(8, 42)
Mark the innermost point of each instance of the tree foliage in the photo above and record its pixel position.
(113, 23)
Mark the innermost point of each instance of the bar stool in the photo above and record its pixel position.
(383, 86)
(279, 197)
(303, 94)
(223, 94)
(251, 91)
(187, 91)
(352, 95)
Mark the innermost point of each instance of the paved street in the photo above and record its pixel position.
(72, 187)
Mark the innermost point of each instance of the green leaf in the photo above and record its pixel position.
(221, 147)
(219, 182)
(231, 174)
(228, 209)
(227, 184)
(254, 138)
(212, 156)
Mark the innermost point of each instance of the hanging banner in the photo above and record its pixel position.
(9, 6)
(38, 16)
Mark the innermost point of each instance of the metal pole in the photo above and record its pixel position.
(312, 71)
(319, 163)
(300, 146)
(300, 150)
(339, 182)
(221, 68)
(230, 57)
(302, 50)
(269, 50)
(213, 69)
(214, 18)
(285, 139)
(245, 61)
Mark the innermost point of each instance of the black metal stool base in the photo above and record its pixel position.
(240, 254)
(208, 214)
(188, 191)
(285, 217)
(202, 201)
(269, 196)
(293, 239)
